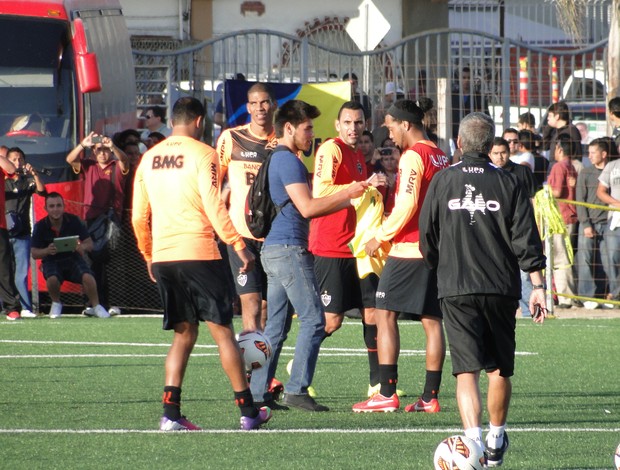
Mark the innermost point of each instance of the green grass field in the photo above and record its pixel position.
(85, 393)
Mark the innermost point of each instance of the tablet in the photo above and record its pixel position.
(64, 244)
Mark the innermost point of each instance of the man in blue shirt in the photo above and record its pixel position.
(288, 263)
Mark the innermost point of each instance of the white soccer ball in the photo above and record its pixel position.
(617, 458)
(458, 452)
(255, 347)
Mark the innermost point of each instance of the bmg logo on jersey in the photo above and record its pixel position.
(167, 162)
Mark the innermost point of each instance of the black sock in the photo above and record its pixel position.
(172, 402)
(370, 339)
(389, 379)
(246, 404)
(431, 387)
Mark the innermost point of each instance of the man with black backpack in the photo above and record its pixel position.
(288, 263)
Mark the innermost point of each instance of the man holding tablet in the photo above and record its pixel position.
(60, 241)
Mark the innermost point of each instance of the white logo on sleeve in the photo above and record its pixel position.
(472, 203)
(326, 298)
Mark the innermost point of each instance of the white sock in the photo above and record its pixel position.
(495, 437)
(475, 434)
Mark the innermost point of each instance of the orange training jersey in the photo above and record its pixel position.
(417, 166)
(241, 154)
(336, 167)
(176, 203)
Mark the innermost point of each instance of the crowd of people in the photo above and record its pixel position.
(433, 221)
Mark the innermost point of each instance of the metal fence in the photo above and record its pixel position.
(513, 77)
(535, 22)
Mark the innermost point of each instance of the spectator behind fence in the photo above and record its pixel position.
(104, 188)
(614, 118)
(563, 181)
(360, 97)
(517, 154)
(372, 158)
(154, 138)
(609, 192)
(527, 143)
(59, 266)
(500, 156)
(8, 291)
(466, 98)
(527, 122)
(155, 121)
(593, 262)
(19, 191)
(559, 124)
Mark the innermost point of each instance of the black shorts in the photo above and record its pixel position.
(256, 280)
(69, 268)
(339, 284)
(481, 332)
(408, 285)
(368, 286)
(193, 291)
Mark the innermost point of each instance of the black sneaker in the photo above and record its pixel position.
(274, 405)
(495, 457)
(303, 402)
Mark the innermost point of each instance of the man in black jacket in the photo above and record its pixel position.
(471, 208)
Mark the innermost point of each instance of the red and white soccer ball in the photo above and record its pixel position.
(255, 347)
(458, 452)
(617, 458)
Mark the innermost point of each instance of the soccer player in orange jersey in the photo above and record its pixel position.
(242, 150)
(407, 284)
(177, 210)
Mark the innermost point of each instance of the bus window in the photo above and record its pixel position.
(37, 91)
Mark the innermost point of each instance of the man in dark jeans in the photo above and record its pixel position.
(8, 292)
(19, 191)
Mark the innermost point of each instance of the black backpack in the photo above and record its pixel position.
(260, 210)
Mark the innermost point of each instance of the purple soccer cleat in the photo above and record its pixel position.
(248, 424)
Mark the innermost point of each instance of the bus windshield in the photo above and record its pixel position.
(37, 92)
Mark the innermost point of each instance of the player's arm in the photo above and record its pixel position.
(7, 166)
(215, 209)
(602, 192)
(123, 160)
(310, 207)
(326, 164)
(73, 158)
(555, 181)
(208, 185)
(141, 217)
(224, 151)
(40, 253)
(85, 246)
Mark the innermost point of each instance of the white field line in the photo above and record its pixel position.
(287, 350)
(304, 431)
